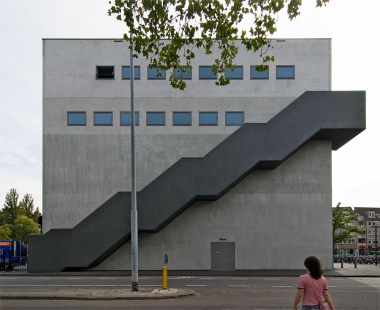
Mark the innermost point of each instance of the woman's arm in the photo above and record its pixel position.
(298, 297)
(326, 295)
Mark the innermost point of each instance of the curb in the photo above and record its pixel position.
(98, 294)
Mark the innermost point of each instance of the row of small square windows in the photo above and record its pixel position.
(155, 118)
(108, 72)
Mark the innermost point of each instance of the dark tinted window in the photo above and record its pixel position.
(126, 72)
(104, 72)
(259, 75)
(103, 118)
(285, 72)
(182, 118)
(156, 74)
(76, 118)
(155, 118)
(125, 118)
(208, 118)
(234, 118)
(185, 74)
(236, 74)
(206, 74)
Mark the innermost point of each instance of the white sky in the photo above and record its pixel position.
(353, 26)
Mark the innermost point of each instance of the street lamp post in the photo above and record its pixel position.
(376, 241)
(134, 228)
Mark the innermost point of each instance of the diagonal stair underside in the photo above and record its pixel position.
(335, 116)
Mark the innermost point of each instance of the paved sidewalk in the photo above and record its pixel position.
(349, 270)
(88, 293)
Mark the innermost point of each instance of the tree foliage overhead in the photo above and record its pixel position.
(18, 219)
(6, 232)
(344, 224)
(27, 208)
(11, 208)
(167, 31)
(22, 227)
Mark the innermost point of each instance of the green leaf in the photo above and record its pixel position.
(343, 224)
(202, 24)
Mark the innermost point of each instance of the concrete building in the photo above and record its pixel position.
(228, 178)
(368, 218)
(349, 246)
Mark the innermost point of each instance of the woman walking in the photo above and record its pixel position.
(312, 287)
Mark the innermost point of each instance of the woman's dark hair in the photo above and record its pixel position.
(314, 265)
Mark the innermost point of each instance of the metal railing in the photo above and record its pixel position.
(11, 263)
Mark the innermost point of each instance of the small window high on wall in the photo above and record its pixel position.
(205, 73)
(126, 72)
(259, 75)
(285, 72)
(208, 118)
(234, 118)
(103, 118)
(236, 74)
(155, 118)
(76, 118)
(125, 118)
(182, 118)
(184, 73)
(156, 74)
(105, 72)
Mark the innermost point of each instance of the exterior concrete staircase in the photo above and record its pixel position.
(335, 116)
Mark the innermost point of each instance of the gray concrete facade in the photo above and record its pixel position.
(79, 168)
(275, 217)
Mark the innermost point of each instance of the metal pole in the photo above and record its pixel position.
(134, 228)
(376, 241)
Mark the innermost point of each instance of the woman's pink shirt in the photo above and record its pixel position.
(309, 298)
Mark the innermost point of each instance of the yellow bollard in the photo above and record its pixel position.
(164, 277)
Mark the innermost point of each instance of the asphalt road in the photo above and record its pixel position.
(223, 293)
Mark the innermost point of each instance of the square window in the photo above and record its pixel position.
(236, 74)
(206, 74)
(257, 75)
(182, 118)
(208, 118)
(103, 118)
(125, 118)
(76, 118)
(156, 74)
(184, 73)
(285, 72)
(234, 118)
(104, 72)
(155, 118)
(126, 72)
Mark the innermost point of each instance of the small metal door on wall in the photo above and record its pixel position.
(222, 255)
